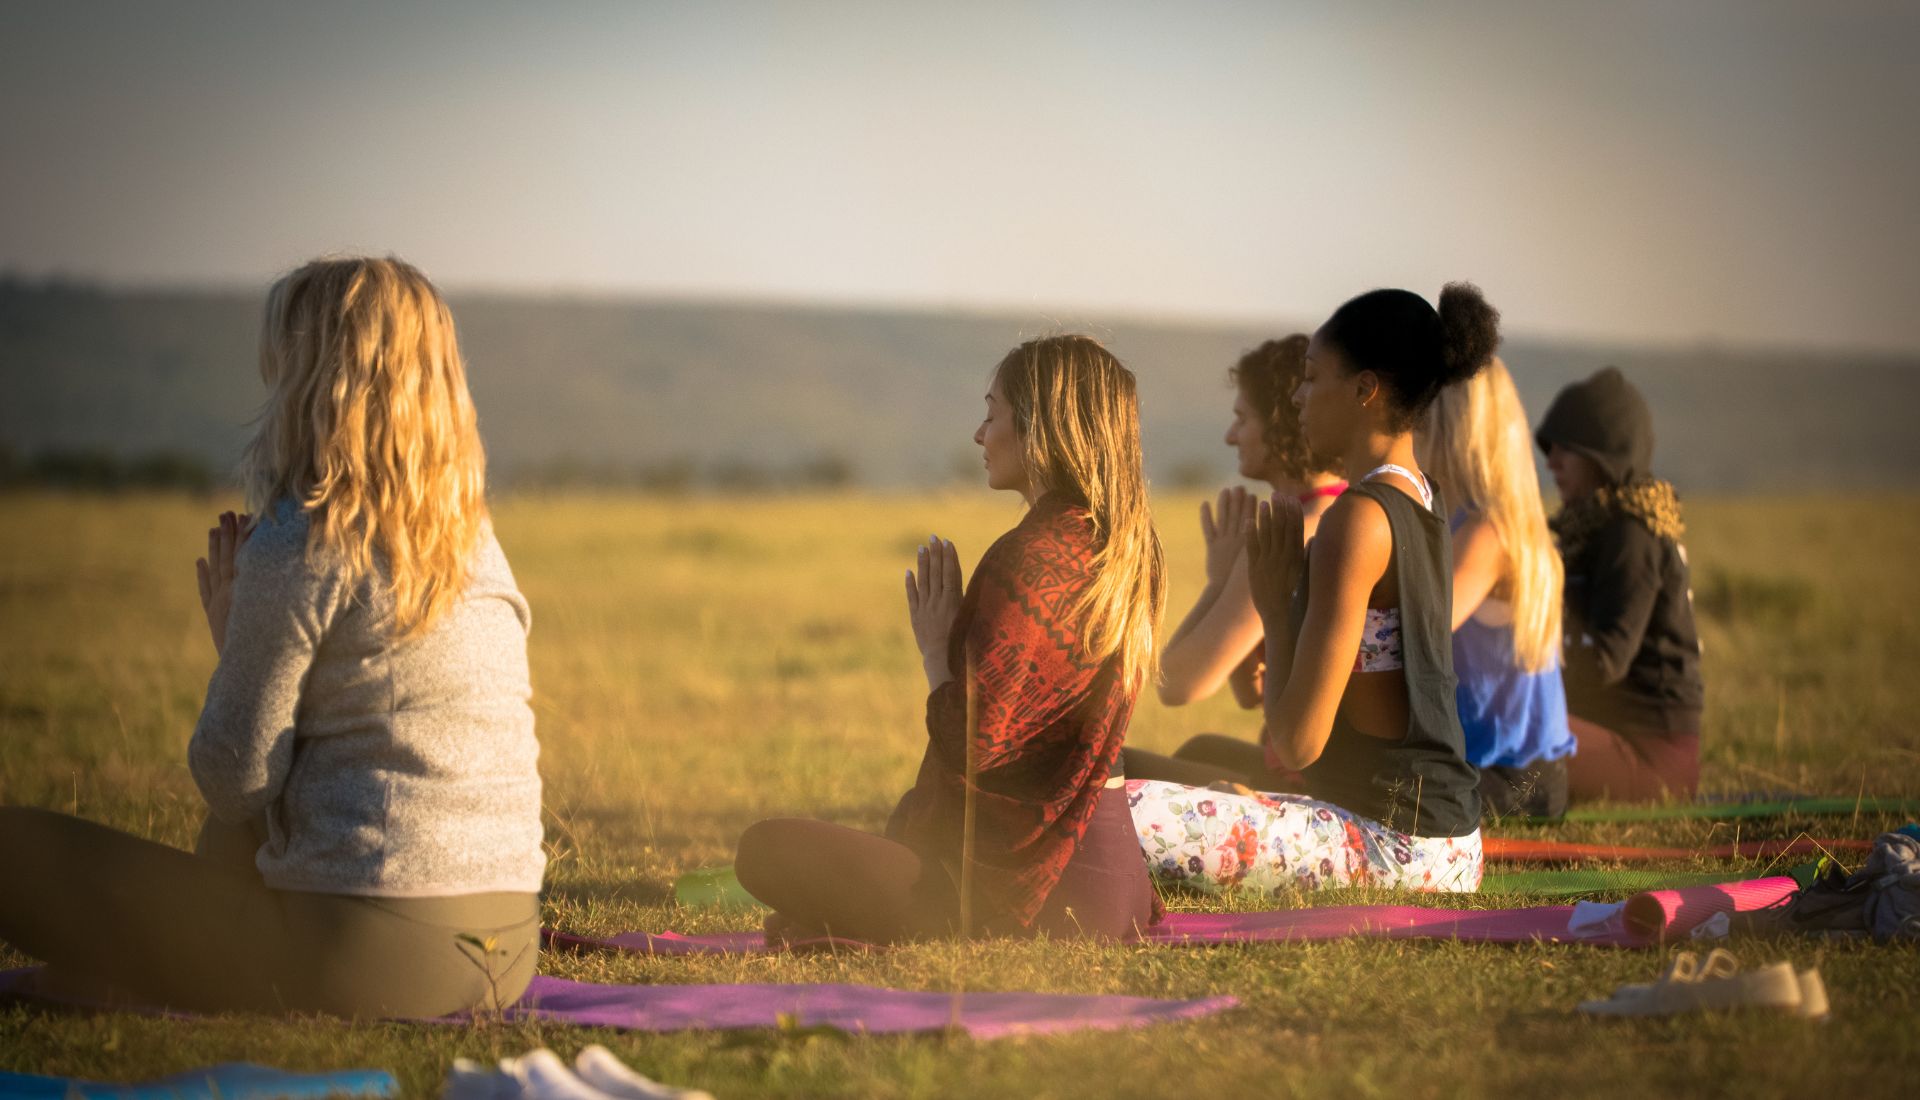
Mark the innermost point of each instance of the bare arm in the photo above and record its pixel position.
(1307, 676)
(1249, 678)
(1211, 642)
(1479, 561)
(1222, 626)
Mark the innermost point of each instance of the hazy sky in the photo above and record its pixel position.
(1743, 171)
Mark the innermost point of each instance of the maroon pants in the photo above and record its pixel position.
(824, 878)
(1632, 763)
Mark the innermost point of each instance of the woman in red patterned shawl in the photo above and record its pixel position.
(1032, 675)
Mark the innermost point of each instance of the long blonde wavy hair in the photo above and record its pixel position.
(1477, 445)
(370, 429)
(1078, 413)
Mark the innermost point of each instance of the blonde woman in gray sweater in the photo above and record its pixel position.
(366, 750)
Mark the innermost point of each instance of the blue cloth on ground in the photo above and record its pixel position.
(227, 1081)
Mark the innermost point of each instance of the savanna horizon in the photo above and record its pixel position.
(748, 396)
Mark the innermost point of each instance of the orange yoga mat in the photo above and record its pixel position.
(1499, 849)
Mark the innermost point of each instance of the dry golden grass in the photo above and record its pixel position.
(700, 663)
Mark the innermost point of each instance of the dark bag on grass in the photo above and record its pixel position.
(1881, 899)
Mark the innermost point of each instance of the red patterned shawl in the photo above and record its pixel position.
(1050, 726)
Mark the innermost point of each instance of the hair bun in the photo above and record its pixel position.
(1469, 331)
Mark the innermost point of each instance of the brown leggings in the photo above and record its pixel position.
(117, 917)
(825, 878)
(1633, 764)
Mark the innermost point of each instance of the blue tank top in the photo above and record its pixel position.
(1510, 718)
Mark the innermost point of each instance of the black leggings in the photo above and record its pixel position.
(1537, 790)
(824, 878)
(1211, 758)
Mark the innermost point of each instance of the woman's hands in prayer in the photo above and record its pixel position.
(933, 604)
(1224, 526)
(216, 572)
(1275, 556)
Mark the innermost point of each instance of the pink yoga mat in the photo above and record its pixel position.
(1659, 915)
(1649, 919)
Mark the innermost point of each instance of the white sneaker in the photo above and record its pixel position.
(600, 1068)
(1690, 985)
(541, 1075)
(469, 1080)
(1813, 994)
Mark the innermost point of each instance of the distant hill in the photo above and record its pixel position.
(671, 390)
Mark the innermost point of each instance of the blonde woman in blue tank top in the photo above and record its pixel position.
(1507, 582)
(1359, 693)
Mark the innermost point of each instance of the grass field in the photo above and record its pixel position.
(701, 663)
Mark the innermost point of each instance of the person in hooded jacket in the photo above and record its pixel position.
(1632, 655)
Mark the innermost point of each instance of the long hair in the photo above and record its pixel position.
(1079, 419)
(370, 430)
(1479, 450)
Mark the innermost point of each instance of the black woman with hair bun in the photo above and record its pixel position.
(1359, 694)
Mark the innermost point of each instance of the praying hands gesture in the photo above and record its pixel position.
(216, 572)
(1224, 527)
(1275, 557)
(933, 604)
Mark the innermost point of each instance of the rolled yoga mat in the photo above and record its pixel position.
(1648, 919)
(855, 1008)
(1660, 915)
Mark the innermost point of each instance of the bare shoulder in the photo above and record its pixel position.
(1476, 530)
(1355, 520)
(1354, 540)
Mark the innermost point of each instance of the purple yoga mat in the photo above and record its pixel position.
(858, 1008)
(1650, 918)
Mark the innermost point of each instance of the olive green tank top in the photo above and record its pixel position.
(1420, 784)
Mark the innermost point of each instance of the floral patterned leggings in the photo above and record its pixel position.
(1211, 841)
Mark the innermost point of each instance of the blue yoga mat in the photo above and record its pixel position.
(228, 1081)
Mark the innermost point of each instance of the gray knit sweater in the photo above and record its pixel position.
(383, 768)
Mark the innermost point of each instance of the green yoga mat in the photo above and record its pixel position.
(1568, 883)
(712, 888)
(716, 888)
(1717, 811)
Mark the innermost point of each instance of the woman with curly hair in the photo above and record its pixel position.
(1017, 823)
(1633, 656)
(1360, 684)
(1219, 642)
(366, 749)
